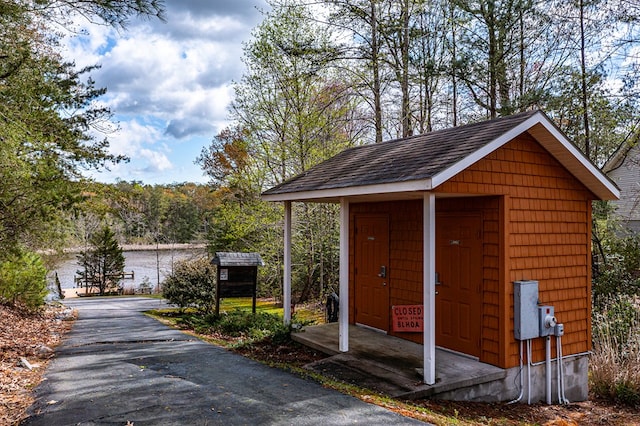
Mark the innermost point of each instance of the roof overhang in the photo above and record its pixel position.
(392, 190)
(237, 259)
(539, 126)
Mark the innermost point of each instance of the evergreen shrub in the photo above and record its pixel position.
(242, 324)
(23, 281)
(192, 284)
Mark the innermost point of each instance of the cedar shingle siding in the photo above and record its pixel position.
(548, 237)
(544, 214)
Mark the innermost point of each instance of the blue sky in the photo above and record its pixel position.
(169, 84)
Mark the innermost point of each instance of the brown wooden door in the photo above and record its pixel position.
(459, 268)
(371, 254)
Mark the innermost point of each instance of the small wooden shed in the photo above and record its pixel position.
(449, 220)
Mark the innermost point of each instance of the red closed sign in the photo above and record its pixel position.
(408, 318)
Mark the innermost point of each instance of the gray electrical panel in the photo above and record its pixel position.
(525, 310)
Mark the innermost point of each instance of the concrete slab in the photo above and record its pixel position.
(391, 365)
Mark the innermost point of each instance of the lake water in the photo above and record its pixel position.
(143, 264)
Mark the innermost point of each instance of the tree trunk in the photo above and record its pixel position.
(407, 129)
(454, 82)
(583, 78)
(490, 17)
(375, 64)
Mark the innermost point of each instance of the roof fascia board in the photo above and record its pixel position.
(608, 191)
(617, 159)
(466, 162)
(385, 188)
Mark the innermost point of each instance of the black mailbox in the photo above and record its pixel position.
(237, 275)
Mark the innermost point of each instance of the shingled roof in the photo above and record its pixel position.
(422, 162)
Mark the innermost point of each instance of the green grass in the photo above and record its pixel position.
(307, 314)
(237, 322)
(245, 303)
(303, 313)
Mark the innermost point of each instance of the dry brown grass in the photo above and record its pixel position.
(615, 363)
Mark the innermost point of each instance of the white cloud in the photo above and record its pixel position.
(168, 82)
(157, 161)
(132, 137)
(202, 112)
(144, 145)
(183, 79)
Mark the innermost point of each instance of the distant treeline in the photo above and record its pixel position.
(145, 214)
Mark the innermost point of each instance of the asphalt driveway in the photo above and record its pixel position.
(118, 365)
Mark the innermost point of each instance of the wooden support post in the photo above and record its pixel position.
(287, 263)
(429, 287)
(343, 325)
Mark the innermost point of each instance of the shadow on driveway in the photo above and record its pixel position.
(117, 365)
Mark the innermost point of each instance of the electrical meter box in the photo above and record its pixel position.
(525, 310)
(547, 320)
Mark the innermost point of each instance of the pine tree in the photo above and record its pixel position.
(102, 262)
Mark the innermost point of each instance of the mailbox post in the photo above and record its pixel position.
(237, 275)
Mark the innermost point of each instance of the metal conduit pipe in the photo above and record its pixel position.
(548, 368)
(519, 397)
(535, 364)
(529, 371)
(564, 399)
(559, 368)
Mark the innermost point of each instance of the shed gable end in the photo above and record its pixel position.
(547, 236)
(522, 167)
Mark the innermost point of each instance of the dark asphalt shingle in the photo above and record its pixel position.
(401, 160)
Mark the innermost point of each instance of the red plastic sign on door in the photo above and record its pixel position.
(407, 318)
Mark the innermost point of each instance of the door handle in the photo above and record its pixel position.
(383, 272)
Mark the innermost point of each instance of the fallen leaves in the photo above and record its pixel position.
(26, 342)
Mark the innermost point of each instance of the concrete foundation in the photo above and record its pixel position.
(508, 389)
(393, 366)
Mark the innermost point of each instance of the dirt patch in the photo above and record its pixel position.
(27, 342)
(291, 353)
(589, 413)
